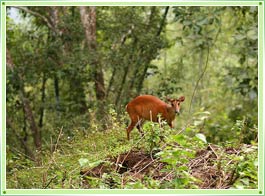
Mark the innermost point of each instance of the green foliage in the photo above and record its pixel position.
(141, 50)
(200, 24)
(61, 167)
(245, 131)
(247, 169)
(154, 134)
(179, 150)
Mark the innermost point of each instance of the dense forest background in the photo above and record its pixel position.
(72, 70)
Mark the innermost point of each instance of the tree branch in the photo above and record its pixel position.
(162, 24)
(206, 65)
(201, 76)
(46, 20)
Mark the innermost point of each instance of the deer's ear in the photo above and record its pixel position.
(181, 99)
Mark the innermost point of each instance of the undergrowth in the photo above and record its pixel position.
(162, 158)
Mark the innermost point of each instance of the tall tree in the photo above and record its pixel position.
(28, 111)
(88, 19)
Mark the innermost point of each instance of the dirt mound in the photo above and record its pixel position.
(206, 166)
(137, 164)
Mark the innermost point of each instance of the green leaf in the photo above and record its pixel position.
(198, 122)
(95, 164)
(83, 162)
(183, 168)
(240, 37)
(201, 137)
(161, 153)
(252, 34)
(245, 181)
(203, 22)
(187, 22)
(180, 139)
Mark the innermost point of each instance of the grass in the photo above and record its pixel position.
(64, 160)
(171, 161)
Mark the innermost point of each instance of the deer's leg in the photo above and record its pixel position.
(139, 127)
(134, 121)
(170, 124)
(130, 128)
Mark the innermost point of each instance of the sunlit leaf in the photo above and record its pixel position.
(83, 162)
(201, 137)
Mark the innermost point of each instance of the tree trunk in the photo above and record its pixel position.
(118, 98)
(54, 12)
(9, 61)
(28, 112)
(57, 93)
(44, 79)
(163, 21)
(33, 126)
(147, 62)
(117, 47)
(77, 95)
(111, 80)
(25, 132)
(141, 49)
(24, 144)
(123, 81)
(88, 19)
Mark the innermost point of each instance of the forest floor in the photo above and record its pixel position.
(205, 166)
(106, 160)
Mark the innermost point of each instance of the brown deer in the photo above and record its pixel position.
(147, 107)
